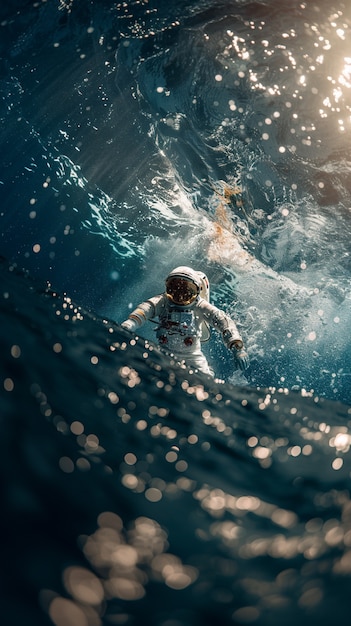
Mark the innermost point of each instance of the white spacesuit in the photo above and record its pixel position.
(184, 317)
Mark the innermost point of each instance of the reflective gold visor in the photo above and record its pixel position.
(181, 291)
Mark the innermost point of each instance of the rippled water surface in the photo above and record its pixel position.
(137, 136)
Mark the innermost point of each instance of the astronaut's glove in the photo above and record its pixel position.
(240, 355)
(130, 325)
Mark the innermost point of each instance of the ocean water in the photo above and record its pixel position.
(137, 136)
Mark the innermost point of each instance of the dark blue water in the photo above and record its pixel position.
(137, 136)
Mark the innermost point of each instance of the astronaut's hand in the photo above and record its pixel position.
(130, 325)
(241, 358)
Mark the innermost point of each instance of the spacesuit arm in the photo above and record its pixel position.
(223, 323)
(143, 312)
(231, 336)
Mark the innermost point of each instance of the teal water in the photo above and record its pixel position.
(138, 136)
(134, 488)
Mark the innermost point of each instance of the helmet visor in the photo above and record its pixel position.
(181, 291)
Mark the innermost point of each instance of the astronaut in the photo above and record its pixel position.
(184, 316)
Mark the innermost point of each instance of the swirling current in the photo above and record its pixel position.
(136, 136)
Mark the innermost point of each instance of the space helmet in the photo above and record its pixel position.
(183, 286)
